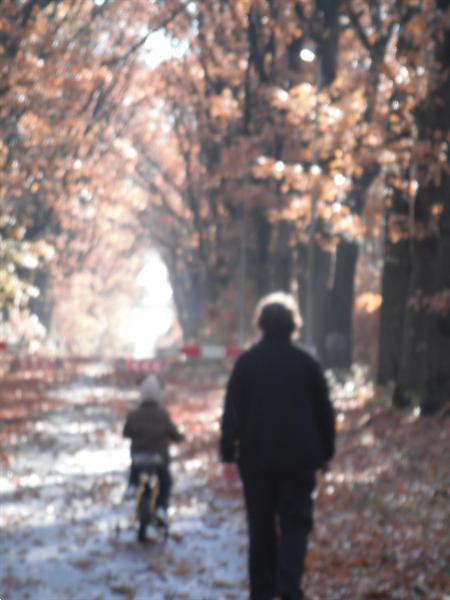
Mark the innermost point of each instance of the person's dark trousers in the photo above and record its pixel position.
(280, 516)
(165, 486)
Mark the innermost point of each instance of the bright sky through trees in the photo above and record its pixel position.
(153, 314)
(160, 47)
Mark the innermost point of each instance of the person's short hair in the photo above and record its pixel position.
(278, 314)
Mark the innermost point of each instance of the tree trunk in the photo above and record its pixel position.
(415, 343)
(424, 373)
(188, 285)
(327, 12)
(259, 253)
(281, 257)
(437, 387)
(338, 341)
(321, 274)
(436, 394)
(302, 281)
(394, 286)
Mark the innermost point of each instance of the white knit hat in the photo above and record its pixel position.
(151, 389)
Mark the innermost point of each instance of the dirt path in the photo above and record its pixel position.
(67, 534)
(382, 512)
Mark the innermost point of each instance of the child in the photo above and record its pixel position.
(151, 431)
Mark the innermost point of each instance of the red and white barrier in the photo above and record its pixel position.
(193, 351)
(35, 363)
(126, 365)
(131, 365)
(210, 351)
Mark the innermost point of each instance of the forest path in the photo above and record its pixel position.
(68, 534)
(381, 512)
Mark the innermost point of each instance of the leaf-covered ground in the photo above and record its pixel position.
(382, 512)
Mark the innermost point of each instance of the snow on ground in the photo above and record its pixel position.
(381, 512)
(67, 533)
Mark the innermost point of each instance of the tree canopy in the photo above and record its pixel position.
(256, 144)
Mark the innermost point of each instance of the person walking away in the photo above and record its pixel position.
(278, 427)
(151, 431)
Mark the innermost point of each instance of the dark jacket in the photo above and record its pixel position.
(277, 412)
(151, 430)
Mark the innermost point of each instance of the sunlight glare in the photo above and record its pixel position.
(307, 55)
(153, 314)
(160, 47)
(340, 179)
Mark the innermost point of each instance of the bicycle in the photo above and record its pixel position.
(146, 511)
